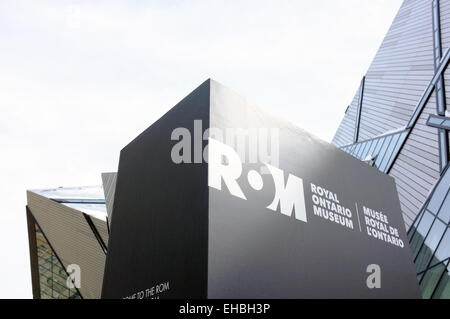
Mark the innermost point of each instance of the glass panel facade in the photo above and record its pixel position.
(384, 149)
(429, 235)
(52, 275)
(442, 290)
(414, 225)
(419, 235)
(429, 246)
(389, 153)
(439, 194)
(431, 279)
(430, 241)
(444, 211)
(444, 246)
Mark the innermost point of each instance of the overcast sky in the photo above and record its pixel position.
(79, 80)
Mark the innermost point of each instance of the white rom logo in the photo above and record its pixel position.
(225, 164)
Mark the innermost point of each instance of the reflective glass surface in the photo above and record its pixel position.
(384, 149)
(52, 275)
(430, 241)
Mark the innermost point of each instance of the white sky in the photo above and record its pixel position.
(79, 80)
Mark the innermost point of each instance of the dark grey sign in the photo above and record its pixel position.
(275, 213)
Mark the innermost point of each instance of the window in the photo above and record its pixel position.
(429, 246)
(383, 149)
(52, 274)
(443, 288)
(431, 279)
(430, 241)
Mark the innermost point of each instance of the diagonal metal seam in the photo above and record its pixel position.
(107, 226)
(401, 138)
(96, 233)
(358, 113)
(423, 101)
(429, 90)
(52, 248)
(439, 70)
(78, 201)
(386, 158)
(436, 83)
(375, 138)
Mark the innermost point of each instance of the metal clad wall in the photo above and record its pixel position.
(395, 82)
(109, 188)
(416, 169)
(344, 134)
(102, 229)
(398, 75)
(400, 71)
(445, 24)
(72, 239)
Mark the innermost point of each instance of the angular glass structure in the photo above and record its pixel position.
(381, 150)
(430, 242)
(52, 274)
(398, 122)
(67, 227)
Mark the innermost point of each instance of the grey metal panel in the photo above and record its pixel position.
(426, 130)
(399, 73)
(421, 151)
(427, 179)
(414, 164)
(395, 83)
(358, 111)
(109, 188)
(416, 170)
(345, 132)
(410, 183)
(407, 207)
(72, 239)
(408, 187)
(102, 229)
(418, 163)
